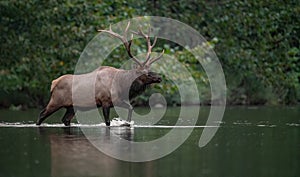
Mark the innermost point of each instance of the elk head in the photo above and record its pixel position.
(144, 75)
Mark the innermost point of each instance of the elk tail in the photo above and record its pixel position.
(54, 83)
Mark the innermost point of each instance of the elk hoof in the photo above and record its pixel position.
(107, 124)
(67, 123)
(125, 124)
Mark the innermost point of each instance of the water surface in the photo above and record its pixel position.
(251, 141)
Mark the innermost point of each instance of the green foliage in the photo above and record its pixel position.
(259, 43)
(256, 41)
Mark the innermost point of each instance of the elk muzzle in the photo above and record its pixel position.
(153, 77)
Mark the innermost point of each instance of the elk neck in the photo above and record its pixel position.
(136, 89)
(137, 85)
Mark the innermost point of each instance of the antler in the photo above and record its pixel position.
(126, 43)
(148, 60)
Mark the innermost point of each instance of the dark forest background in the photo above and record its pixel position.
(257, 42)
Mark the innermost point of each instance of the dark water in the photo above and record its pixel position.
(251, 141)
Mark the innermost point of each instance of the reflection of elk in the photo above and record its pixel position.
(113, 86)
(74, 155)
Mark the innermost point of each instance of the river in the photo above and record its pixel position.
(250, 141)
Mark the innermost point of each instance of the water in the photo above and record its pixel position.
(251, 141)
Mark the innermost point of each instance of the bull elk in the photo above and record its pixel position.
(113, 87)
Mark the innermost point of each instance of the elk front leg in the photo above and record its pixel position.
(128, 106)
(106, 115)
(130, 109)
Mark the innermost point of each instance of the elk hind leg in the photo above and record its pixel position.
(46, 112)
(68, 116)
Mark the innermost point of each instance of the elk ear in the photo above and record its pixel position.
(141, 71)
(134, 66)
(145, 71)
(147, 67)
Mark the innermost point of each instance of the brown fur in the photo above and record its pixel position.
(54, 83)
(112, 87)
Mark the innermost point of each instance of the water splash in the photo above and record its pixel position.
(116, 123)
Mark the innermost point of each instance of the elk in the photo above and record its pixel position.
(113, 87)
